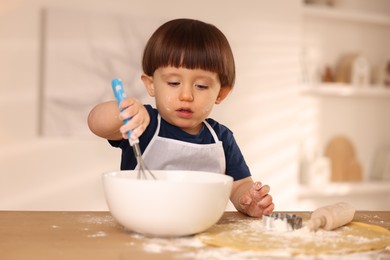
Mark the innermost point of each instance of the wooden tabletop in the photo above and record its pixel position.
(96, 235)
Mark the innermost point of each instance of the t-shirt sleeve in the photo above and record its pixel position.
(235, 162)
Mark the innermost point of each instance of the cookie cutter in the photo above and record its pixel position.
(282, 222)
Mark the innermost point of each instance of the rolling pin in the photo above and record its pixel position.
(331, 216)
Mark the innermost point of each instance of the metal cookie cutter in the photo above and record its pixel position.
(282, 222)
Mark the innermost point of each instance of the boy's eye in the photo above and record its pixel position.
(202, 86)
(173, 83)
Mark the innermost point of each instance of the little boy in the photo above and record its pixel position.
(188, 67)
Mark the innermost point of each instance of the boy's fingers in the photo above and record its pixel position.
(265, 201)
(245, 202)
(269, 209)
(258, 191)
(265, 190)
(257, 185)
(126, 103)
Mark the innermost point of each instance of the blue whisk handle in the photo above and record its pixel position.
(119, 91)
(120, 95)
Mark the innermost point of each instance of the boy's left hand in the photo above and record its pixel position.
(256, 201)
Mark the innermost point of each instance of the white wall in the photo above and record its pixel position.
(55, 174)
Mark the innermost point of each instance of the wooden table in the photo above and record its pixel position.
(96, 235)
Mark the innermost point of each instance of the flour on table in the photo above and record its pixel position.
(251, 235)
(183, 247)
(98, 234)
(97, 220)
(158, 245)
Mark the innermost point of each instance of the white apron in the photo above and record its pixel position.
(169, 154)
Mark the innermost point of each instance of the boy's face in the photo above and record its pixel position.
(185, 97)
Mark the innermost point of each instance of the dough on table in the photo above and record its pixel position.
(249, 234)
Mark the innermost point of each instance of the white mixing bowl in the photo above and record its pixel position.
(178, 203)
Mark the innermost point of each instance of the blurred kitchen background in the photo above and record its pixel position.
(310, 109)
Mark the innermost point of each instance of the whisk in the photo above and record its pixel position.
(120, 95)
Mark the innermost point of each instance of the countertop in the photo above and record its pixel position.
(96, 235)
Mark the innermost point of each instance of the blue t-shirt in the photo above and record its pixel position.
(235, 162)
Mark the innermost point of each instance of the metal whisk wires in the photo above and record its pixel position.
(143, 170)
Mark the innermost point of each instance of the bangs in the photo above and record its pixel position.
(190, 44)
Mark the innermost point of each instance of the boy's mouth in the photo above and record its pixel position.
(184, 112)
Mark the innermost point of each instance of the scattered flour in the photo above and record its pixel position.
(276, 225)
(98, 234)
(291, 241)
(88, 219)
(184, 249)
(304, 233)
(157, 246)
(97, 220)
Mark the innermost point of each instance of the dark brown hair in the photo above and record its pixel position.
(190, 44)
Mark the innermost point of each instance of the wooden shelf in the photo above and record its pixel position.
(345, 90)
(346, 15)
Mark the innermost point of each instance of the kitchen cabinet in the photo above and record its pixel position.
(360, 113)
(331, 33)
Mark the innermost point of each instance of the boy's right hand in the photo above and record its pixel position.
(133, 110)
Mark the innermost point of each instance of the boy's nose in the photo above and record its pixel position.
(186, 94)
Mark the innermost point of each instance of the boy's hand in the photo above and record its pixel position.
(256, 201)
(138, 117)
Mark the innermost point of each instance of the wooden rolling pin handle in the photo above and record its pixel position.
(331, 216)
(315, 223)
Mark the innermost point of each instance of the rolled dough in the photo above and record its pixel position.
(250, 235)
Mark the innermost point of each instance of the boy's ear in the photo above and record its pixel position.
(223, 93)
(149, 84)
